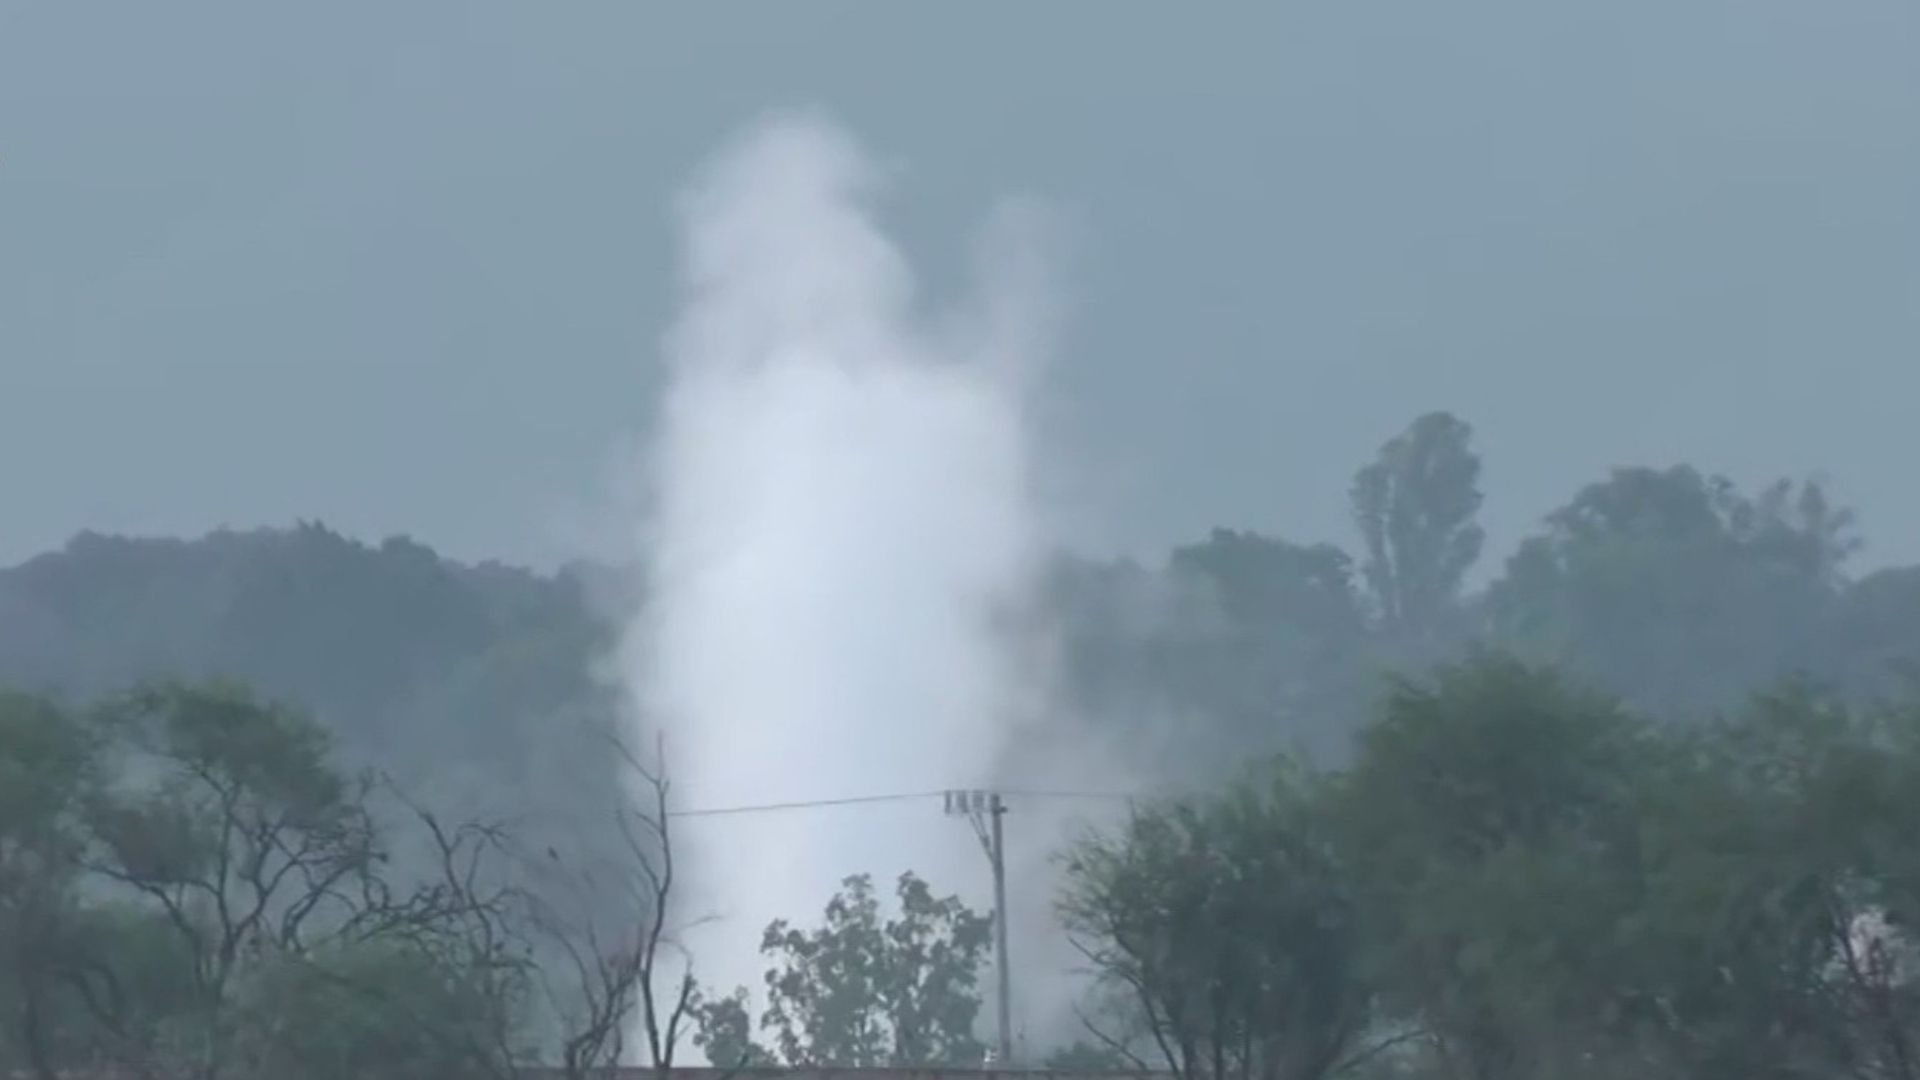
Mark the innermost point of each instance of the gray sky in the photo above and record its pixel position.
(402, 267)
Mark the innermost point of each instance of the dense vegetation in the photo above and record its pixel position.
(1511, 877)
(191, 886)
(1639, 807)
(1515, 878)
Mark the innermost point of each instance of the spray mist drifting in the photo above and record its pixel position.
(841, 522)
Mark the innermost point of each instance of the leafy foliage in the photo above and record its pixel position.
(191, 887)
(863, 990)
(1676, 590)
(1520, 878)
(1274, 634)
(376, 1009)
(46, 770)
(1487, 816)
(1228, 931)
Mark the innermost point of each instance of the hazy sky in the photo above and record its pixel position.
(402, 267)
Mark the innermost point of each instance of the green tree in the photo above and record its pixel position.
(1272, 639)
(168, 866)
(1676, 590)
(1775, 932)
(190, 887)
(723, 1031)
(225, 824)
(1228, 934)
(383, 1008)
(228, 817)
(863, 990)
(1490, 816)
(1415, 506)
(1554, 887)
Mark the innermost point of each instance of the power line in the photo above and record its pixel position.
(1109, 796)
(903, 796)
(803, 804)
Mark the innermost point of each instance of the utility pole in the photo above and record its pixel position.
(997, 853)
(985, 811)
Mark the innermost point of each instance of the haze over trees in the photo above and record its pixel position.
(1671, 588)
(1638, 806)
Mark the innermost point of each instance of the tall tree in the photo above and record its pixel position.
(1415, 506)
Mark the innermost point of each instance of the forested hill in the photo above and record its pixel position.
(441, 673)
(1664, 585)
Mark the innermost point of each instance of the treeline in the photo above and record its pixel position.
(1512, 877)
(1517, 878)
(452, 678)
(1668, 587)
(1672, 588)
